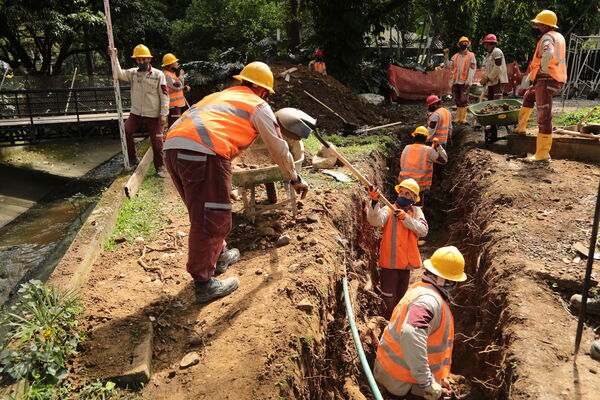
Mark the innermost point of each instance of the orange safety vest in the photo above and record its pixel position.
(398, 248)
(220, 121)
(176, 98)
(442, 129)
(462, 66)
(318, 66)
(558, 65)
(415, 164)
(439, 343)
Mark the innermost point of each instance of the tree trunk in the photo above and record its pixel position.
(294, 24)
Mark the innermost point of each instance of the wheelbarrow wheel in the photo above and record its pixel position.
(271, 192)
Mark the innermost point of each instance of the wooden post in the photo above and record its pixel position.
(114, 63)
(71, 91)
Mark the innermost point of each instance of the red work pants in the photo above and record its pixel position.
(460, 93)
(203, 182)
(394, 284)
(495, 92)
(136, 122)
(540, 95)
(174, 114)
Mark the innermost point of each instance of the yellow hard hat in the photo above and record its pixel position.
(420, 130)
(258, 73)
(448, 263)
(463, 39)
(546, 17)
(169, 59)
(141, 51)
(411, 185)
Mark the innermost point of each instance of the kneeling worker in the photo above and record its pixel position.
(439, 120)
(415, 350)
(398, 251)
(198, 153)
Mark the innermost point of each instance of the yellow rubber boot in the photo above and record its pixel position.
(543, 144)
(457, 117)
(524, 114)
(463, 115)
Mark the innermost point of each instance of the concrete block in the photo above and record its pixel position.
(139, 371)
(571, 148)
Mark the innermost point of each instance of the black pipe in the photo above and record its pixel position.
(588, 273)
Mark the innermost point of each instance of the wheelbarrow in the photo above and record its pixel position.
(490, 122)
(248, 179)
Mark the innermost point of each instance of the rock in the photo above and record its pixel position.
(300, 237)
(139, 240)
(313, 241)
(181, 234)
(211, 333)
(313, 218)
(172, 374)
(324, 159)
(283, 240)
(258, 272)
(267, 231)
(372, 98)
(566, 260)
(305, 305)
(190, 359)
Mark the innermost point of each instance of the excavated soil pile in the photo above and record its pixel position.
(496, 108)
(331, 92)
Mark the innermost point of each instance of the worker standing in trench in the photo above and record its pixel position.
(415, 350)
(417, 160)
(175, 85)
(198, 153)
(149, 104)
(495, 76)
(548, 72)
(398, 250)
(464, 66)
(439, 121)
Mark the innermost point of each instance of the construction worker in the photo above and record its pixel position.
(415, 350)
(175, 85)
(548, 72)
(198, 153)
(417, 160)
(464, 66)
(318, 64)
(149, 104)
(495, 68)
(439, 120)
(398, 251)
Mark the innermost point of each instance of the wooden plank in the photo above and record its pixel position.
(134, 182)
(288, 71)
(576, 134)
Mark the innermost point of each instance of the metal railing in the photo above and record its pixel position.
(34, 103)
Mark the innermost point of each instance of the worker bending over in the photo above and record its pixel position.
(149, 104)
(175, 85)
(495, 68)
(198, 152)
(439, 120)
(464, 66)
(417, 160)
(415, 350)
(398, 251)
(548, 72)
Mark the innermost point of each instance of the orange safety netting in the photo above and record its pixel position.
(416, 85)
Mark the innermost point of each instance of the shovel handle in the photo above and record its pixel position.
(351, 168)
(587, 116)
(326, 106)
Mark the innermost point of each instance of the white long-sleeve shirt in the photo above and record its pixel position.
(547, 48)
(149, 95)
(495, 67)
(378, 216)
(264, 121)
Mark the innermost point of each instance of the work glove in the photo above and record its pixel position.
(374, 193)
(187, 88)
(400, 214)
(446, 388)
(435, 143)
(300, 187)
(483, 81)
(431, 390)
(163, 123)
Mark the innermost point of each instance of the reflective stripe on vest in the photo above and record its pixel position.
(176, 98)
(558, 65)
(398, 248)
(439, 343)
(465, 61)
(443, 125)
(220, 121)
(415, 164)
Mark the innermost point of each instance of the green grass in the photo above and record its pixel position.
(573, 117)
(142, 215)
(353, 148)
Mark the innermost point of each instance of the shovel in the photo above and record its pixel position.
(348, 127)
(351, 168)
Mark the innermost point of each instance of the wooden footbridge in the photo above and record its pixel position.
(33, 116)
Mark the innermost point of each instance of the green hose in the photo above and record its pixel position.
(359, 348)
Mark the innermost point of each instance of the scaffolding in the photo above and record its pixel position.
(583, 59)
